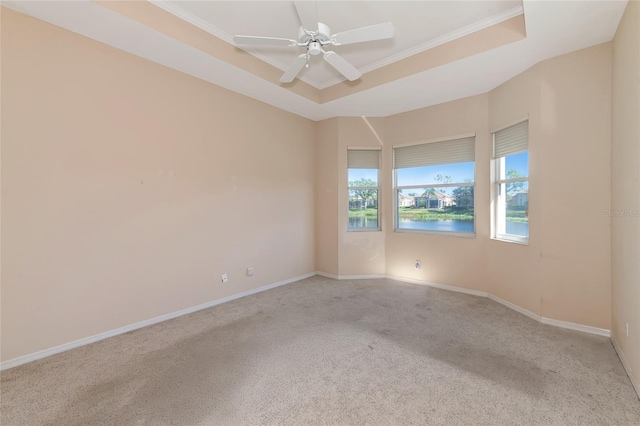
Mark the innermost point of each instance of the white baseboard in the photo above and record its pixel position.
(327, 275)
(127, 328)
(523, 311)
(360, 277)
(349, 277)
(440, 286)
(407, 280)
(578, 327)
(515, 307)
(625, 364)
(549, 321)
(91, 339)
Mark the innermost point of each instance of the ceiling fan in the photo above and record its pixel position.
(314, 36)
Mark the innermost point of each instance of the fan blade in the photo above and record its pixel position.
(264, 41)
(370, 33)
(342, 66)
(294, 69)
(308, 13)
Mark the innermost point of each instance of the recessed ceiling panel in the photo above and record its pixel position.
(417, 23)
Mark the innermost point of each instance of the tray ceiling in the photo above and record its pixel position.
(443, 50)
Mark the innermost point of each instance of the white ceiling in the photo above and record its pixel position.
(553, 28)
(419, 25)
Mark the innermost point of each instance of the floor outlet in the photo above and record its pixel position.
(225, 278)
(249, 272)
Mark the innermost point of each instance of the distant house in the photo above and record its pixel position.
(356, 202)
(447, 200)
(434, 200)
(405, 200)
(521, 199)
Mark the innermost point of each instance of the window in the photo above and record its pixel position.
(434, 187)
(511, 191)
(363, 167)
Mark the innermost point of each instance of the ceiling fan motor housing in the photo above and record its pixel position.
(323, 35)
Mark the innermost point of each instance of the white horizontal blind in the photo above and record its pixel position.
(511, 140)
(428, 154)
(363, 159)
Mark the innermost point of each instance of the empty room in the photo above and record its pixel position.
(320, 212)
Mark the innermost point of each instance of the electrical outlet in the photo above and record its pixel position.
(249, 272)
(626, 328)
(417, 265)
(225, 278)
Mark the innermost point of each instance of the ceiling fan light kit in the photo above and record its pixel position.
(315, 39)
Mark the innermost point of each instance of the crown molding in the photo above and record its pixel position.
(464, 31)
(177, 11)
(172, 8)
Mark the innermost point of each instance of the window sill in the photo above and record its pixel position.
(440, 233)
(505, 239)
(364, 230)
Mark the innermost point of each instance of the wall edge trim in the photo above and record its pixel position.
(34, 356)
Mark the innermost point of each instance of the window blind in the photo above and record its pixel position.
(363, 159)
(428, 154)
(511, 140)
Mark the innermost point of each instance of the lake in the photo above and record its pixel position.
(363, 222)
(520, 229)
(513, 228)
(437, 225)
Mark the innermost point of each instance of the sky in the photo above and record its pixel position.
(519, 162)
(459, 172)
(426, 175)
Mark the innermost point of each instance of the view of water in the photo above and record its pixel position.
(513, 228)
(437, 225)
(520, 229)
(363, 222)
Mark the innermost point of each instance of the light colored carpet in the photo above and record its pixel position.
(321, 351)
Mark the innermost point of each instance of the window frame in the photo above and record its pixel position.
(365, 188)
(397, 188)
(499, 170)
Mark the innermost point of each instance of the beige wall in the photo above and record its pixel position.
(573, 167)
(360, 253)
(338, 251)
(514, 271)
(564, 272)
(326, 202)
(625, 197)
(565, 269)
(444, 260)
(129, 188)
